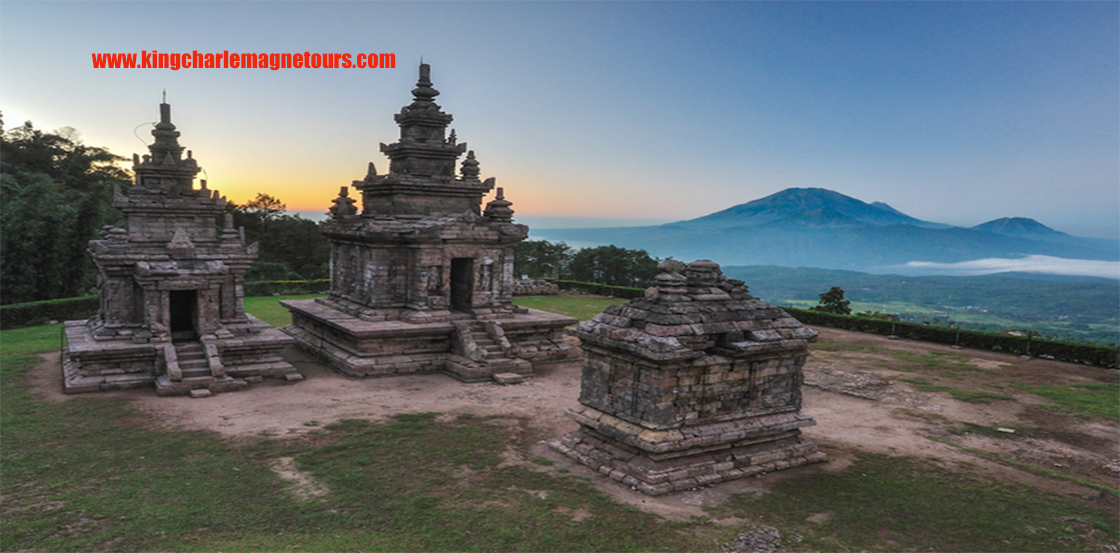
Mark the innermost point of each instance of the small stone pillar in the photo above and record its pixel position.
(694, 384)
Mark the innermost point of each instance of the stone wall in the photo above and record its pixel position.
(534, 287)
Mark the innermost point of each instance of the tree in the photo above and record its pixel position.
(55, 195)
(833, 301)
(541, 258)
(614, 266)
(289, 240)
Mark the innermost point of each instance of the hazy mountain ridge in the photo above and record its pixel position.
(820, 228)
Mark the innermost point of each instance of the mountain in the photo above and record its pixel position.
(814, 227)
(1023, 227)
(794, 202)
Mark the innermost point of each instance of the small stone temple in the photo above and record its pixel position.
(171, 289)
(696, 383)
(421, 278)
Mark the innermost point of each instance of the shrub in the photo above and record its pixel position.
(1090, 354)
(39, 312)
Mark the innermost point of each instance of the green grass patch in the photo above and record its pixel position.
(1037, 470)
(87, 475)
(923, 385)
(990, 431)
(1095, 399)
(583, 307)
(269, 310)
(902, 504)
(977, 396)
(969, 396)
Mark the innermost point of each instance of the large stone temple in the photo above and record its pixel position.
(171, 290)
(421, 277)
(694, 384)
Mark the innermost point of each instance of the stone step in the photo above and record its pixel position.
(194, 364)
(196, 375)
(509, 378)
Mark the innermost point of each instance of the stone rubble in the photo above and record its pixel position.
(534, 287)
(764, 539)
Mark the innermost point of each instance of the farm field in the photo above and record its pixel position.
(920, 458)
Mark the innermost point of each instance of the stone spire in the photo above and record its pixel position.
(164, 171)
(167, 138)
(344, 205)
(498, 209)
(422, 177)
(423, 149)
(469, 171)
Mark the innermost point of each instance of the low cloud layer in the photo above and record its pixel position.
(1031, 264)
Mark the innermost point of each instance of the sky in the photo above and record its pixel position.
(590, 113)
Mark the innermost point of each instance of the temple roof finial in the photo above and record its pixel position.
(498, 209)
(424, 93)
(469, 169)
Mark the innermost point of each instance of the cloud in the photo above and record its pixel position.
(1030, 264)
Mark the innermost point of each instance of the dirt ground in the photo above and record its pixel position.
(858, 398)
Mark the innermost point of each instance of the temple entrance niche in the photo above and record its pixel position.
(422, 278)
(462, 283)
(184, 315)
(171, 283)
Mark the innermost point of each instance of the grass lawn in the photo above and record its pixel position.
(268, 309)
(582, 307)
(88, 474)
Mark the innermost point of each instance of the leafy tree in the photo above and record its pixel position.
(614, 266)
(541, 258)
(55, 194)
(287, 240)
(833, 301)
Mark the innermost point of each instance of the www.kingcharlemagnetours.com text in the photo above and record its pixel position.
(234, 60)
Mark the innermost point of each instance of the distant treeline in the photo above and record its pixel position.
(608, 265)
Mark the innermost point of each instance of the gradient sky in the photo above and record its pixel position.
(956, 112)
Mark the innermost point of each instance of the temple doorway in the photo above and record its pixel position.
(462, 283)
(184, 315)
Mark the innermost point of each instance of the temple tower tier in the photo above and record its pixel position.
(694, 384)
(171, 290)
(421, 276)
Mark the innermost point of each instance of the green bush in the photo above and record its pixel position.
(38, 312)
(1090, 354)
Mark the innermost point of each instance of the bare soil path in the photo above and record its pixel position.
(857, 392)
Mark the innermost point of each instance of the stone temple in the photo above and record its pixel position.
(171, 290)
(695, 384)
(421, 278)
